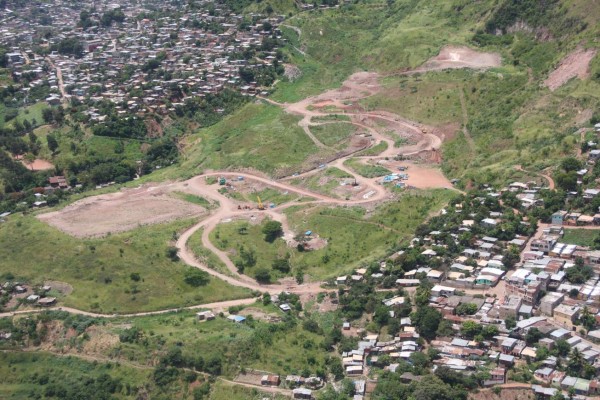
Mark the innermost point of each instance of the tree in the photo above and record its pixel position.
(282, 264)
(570, 164)
(427, 321)
(510, 322)
(533, 336)
(466, 309)
(470, 329)
(336, 368)
(196, 277)
(263, 275)
(272, 230)
(52, 143)
(567, 181)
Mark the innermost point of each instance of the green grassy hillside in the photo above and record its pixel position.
(512, 117)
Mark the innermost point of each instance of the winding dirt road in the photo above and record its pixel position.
(358, 86)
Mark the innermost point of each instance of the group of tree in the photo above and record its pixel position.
(128, 127)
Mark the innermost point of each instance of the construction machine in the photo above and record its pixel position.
(260, 204)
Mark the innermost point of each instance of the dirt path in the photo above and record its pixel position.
(551, 184)
(358, 86)
(59, 77)
(465, 115)
(217, 305)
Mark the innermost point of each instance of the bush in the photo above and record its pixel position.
(272, 230)
(196, 277)
(263, 275)
(172, 253)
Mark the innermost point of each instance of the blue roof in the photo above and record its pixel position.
(308, 233)
(238, 318)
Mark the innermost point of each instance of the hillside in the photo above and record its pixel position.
(509, 112)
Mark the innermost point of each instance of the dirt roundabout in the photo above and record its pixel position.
(98, 216)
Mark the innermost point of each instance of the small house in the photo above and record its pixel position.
(270, 380)
(205, 316)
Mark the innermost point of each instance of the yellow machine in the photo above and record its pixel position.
(260, 204)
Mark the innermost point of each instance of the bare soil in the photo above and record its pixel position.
(461, 57)
(505, 394)
(62, 287)
(38, 165)
(259, 314)
(97, 216)
(575, 65)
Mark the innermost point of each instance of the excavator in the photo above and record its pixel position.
(260, 204)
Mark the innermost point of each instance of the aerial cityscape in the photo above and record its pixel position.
(285, 199)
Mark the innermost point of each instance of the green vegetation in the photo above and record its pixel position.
(258, 136)
(430, 98)
(204, 255)
(99, 269)
(324, 182)
(28, 376)
(333, 134)
(352, 238)
(225, 391)
(201, 201)
(581, 237)
(374, 150)
(366, 170)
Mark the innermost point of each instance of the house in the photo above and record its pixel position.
(302, 393)
(497, 377)
(439, 290)
(506, 360)
(566, 315)
(435, 275)
(354, 370)
(550, 301)
(543, 373)
(270, 380)
(238, 319)
(205, 316)
(47, 301)
(285, 307)
(558, 217)
(407, 282)
(489, 223)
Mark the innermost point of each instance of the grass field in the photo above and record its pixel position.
(254, 345)
(259, 136)
(333, 134)
(431, 98)
(204, 255)
(375, 150)
(353, 237)
(366, 170)
(323, 182)
(225, 391)
(99, 270)
(580, 237)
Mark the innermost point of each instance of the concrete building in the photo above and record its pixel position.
(566, 315)
(550, 301)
